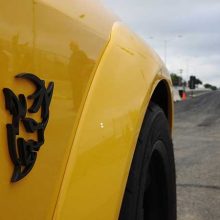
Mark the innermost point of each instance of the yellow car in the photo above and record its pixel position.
(86, 116)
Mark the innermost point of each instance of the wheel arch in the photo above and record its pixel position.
(128, 76)
(162, 96)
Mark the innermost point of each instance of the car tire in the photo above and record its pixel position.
(151, 187)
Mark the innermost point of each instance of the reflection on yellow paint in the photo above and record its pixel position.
(36, 36)
(80, 68)
(22, 56)
(15, 57)
(4, 59)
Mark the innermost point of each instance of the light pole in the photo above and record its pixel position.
(166, 45)
(165, 42)
(165, 52)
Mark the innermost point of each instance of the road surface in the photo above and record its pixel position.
(197, 151)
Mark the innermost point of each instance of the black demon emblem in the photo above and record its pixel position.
(23, 152)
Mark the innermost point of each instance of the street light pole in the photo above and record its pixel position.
(165, 41)
(165, 52)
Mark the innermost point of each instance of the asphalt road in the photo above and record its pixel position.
(197, 151)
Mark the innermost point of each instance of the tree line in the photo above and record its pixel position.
(178, 81)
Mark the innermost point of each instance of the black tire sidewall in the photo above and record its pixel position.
(154, 135)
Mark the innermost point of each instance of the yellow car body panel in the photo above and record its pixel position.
(104, 78)
(104, 144)
(59, 44)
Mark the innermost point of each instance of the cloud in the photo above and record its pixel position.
(198, 51)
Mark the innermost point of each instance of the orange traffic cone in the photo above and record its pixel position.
(184, 96)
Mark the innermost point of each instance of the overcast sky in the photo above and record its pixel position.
(190, 27)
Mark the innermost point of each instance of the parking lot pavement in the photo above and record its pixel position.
(197, 151)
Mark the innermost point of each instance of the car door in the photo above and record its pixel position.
(53, 47)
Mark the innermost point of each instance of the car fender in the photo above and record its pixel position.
(98, 166)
